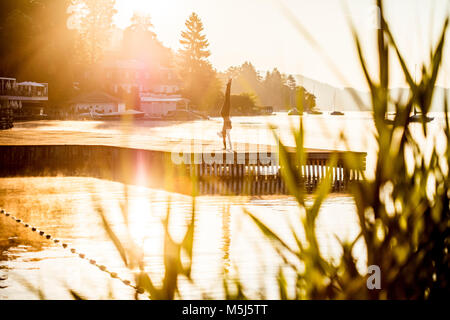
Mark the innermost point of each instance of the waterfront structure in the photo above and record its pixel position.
(96, 102)
(21, 100)
(152, 88)
(160, 104)
(250, 170)
(124, 76)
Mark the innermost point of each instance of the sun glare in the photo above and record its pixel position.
(224, 150)
(126, 9)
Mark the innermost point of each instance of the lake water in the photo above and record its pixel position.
(66, 208)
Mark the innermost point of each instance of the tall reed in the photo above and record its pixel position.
(403, 212)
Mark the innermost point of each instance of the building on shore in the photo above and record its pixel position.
(96, 102)
(125, 76)
(21, 101)
(160, 104)
(149, 87)
(156, 87)
(164, 95)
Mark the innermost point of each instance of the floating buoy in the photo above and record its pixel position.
(81, 255)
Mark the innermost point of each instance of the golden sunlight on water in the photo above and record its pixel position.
(66, 208)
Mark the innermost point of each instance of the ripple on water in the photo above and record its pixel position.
(67, 208)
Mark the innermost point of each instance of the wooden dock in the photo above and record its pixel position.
(252, 170)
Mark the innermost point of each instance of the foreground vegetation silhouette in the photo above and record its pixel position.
(403, 211)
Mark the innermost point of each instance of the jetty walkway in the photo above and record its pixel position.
(248, 170)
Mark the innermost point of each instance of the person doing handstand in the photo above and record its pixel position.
(225, 133)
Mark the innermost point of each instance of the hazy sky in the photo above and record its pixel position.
(261, 32)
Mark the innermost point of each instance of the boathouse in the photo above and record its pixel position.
(21, 100)
(97, 102)
(161, 104)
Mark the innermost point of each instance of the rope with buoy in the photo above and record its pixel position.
(47, 236)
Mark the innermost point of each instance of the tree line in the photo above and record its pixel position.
(56, 41)
(274, 89)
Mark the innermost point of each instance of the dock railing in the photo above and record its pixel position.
(228, 173)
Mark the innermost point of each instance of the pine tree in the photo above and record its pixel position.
(292, 86)
(195, 45)
(200, 83)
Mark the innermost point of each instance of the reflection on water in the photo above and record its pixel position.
(225, 237)
(65, 208)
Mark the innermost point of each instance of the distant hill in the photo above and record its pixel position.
(345, 96)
